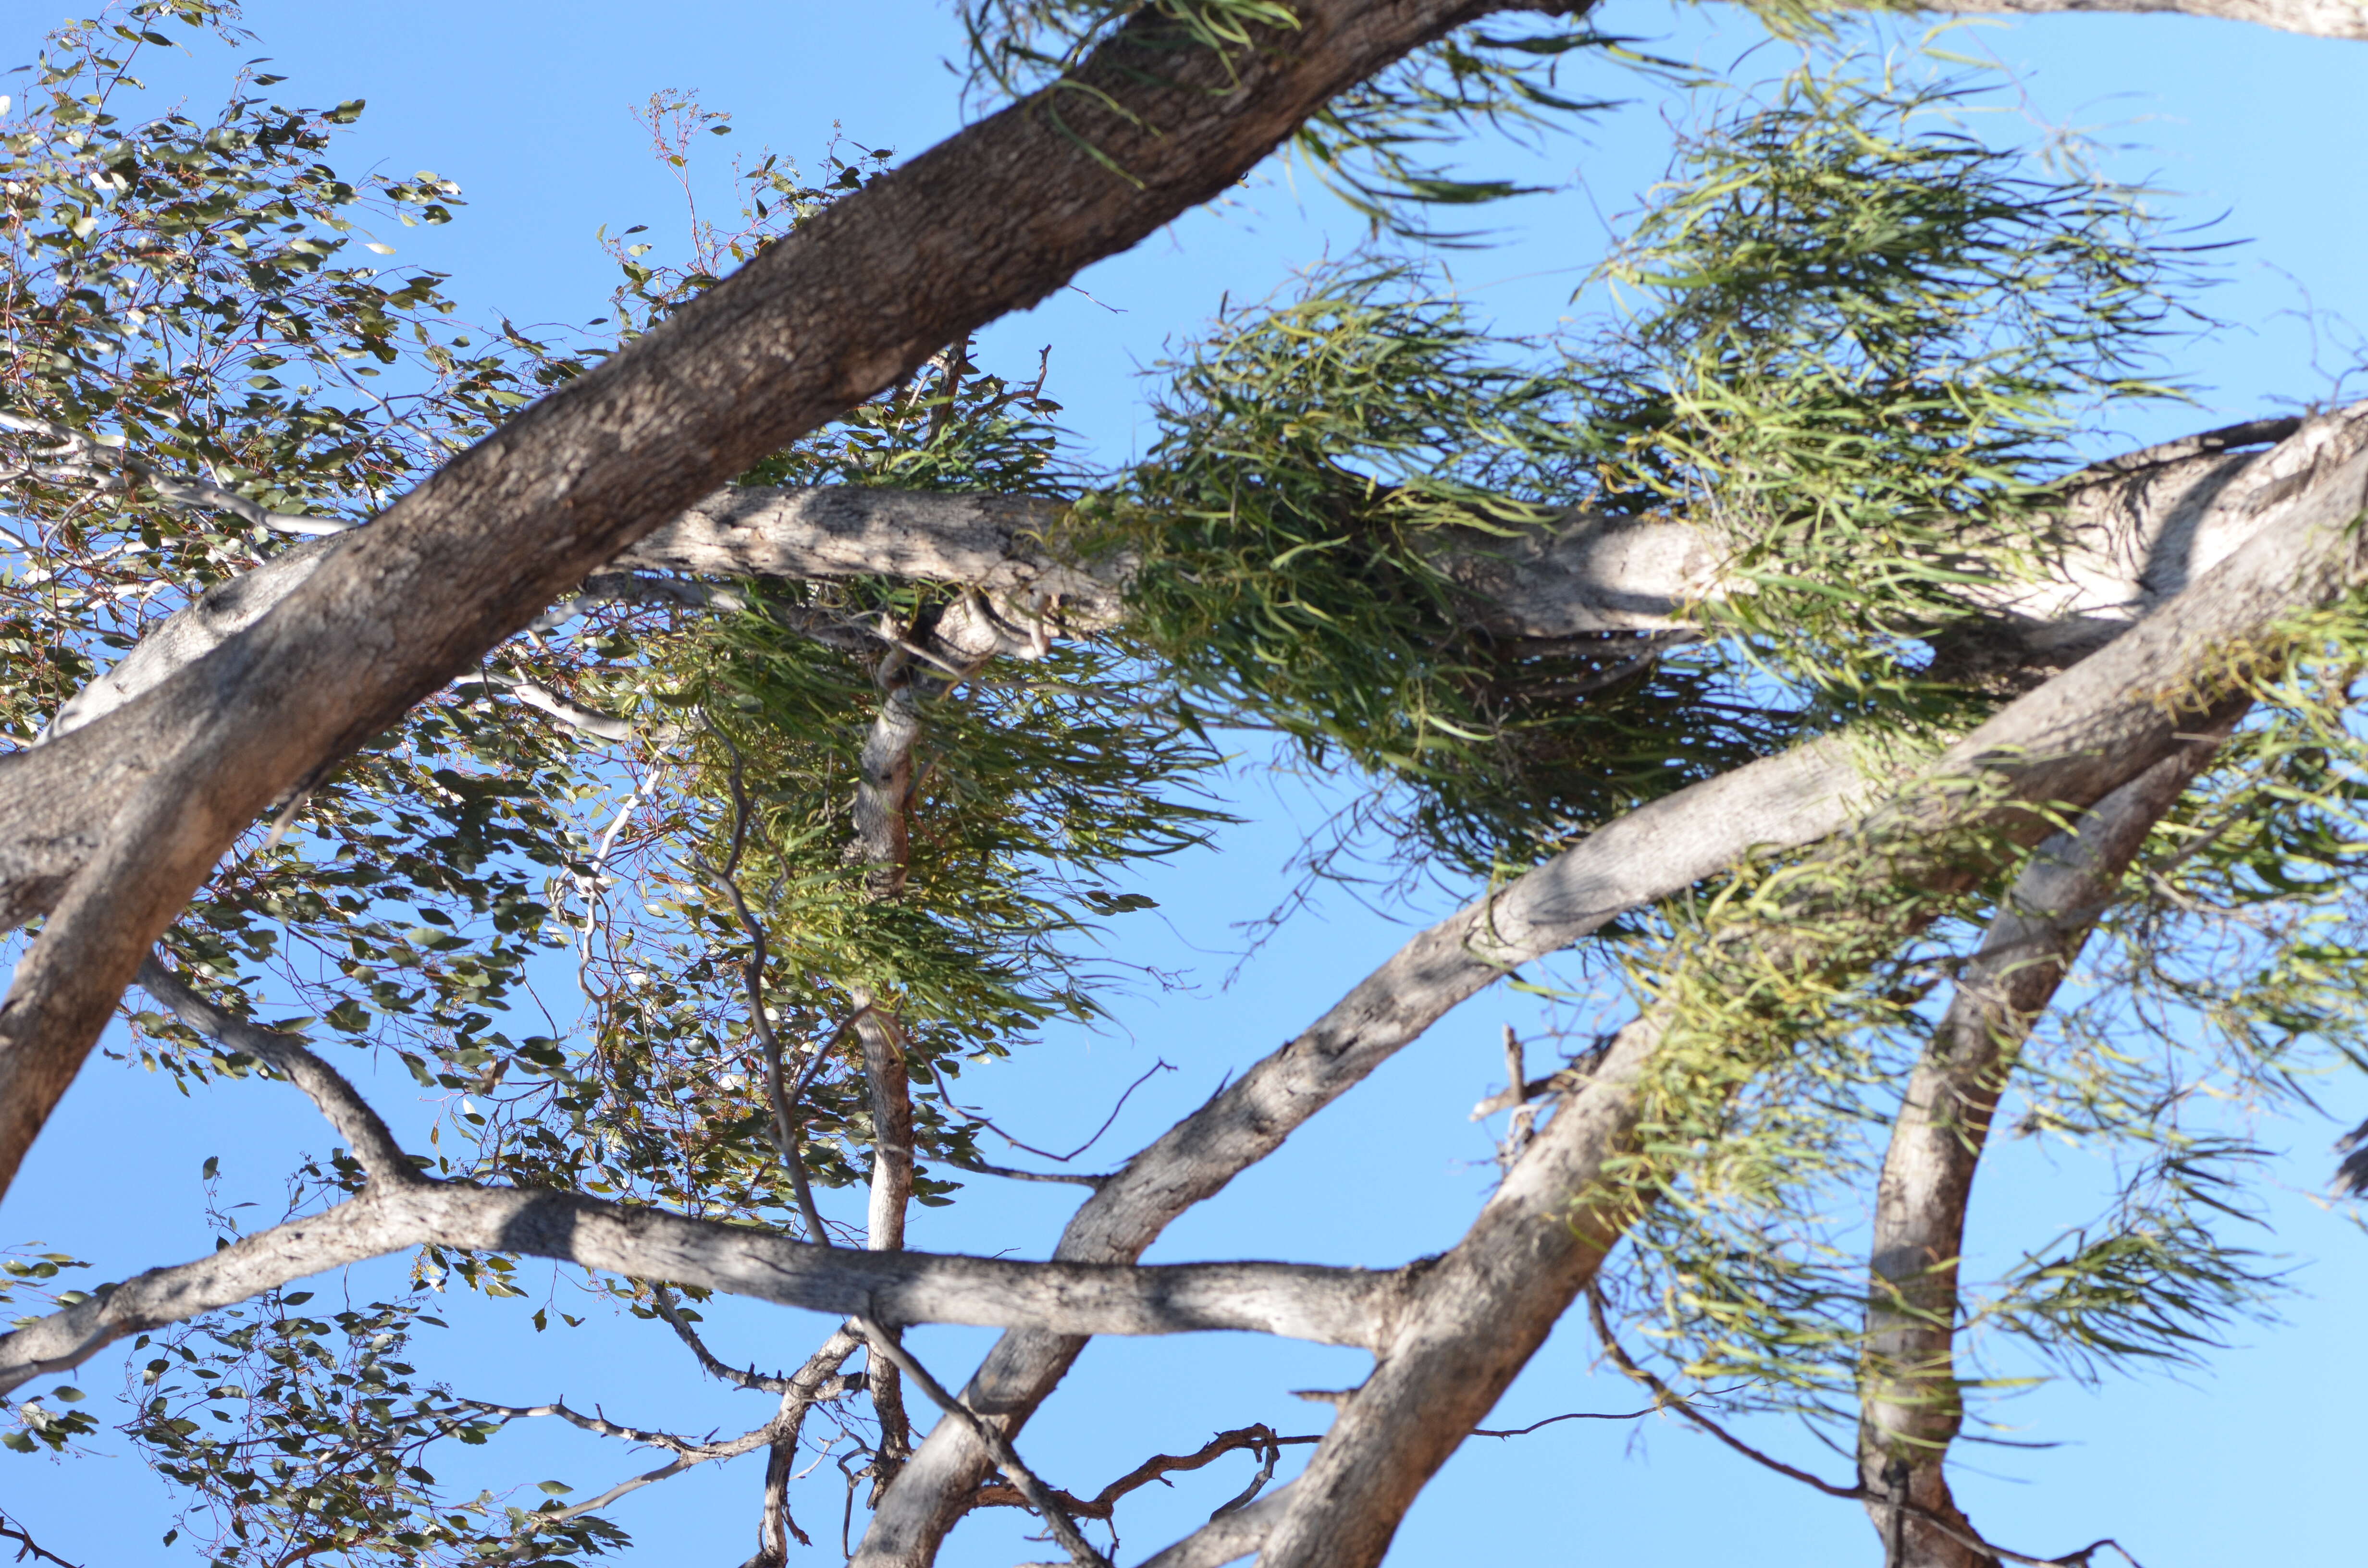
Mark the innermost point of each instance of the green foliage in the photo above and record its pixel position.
(2225, 983)
(1386, 146)
(1864, 342)
(1855, 343)
(279, 1419)
(1863, 346)
(1316, 459)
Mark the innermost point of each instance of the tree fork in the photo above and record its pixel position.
(992, 220)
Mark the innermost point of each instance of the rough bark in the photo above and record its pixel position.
(2057, 742)
(1911, 1401)
(992, 220)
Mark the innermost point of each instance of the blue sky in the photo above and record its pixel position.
(525, 105)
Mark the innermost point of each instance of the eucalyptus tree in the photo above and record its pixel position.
(760, 656)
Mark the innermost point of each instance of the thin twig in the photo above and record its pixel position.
(786, 1131)
(982, 1168)
(1859, 1494)
(1157, 1066)
(1101, 1506)
(1040, 1496)
(662, 1301)
(30, 1547)
(364, 1132)
(1665, 1395)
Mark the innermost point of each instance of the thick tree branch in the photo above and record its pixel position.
(1044, 1499)
(1910, 1397)
(991, 220)
(1228, 1536)
(1335, 1306)
(2134, 531)
(2294, 504)
(1485, 1307)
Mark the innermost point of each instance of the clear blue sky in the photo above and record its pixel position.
(525, 105)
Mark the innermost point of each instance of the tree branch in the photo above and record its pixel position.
(360, 1126)
(1912, 1408)
(82, 458)
(1102, 1504)
(991, 220)
(1229, 1536)
(1335, 1306)
(1482, 1311)
(2075, 738)
(11, 1530)
(1040, 1496)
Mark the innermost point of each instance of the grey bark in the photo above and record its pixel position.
(1911, 1404)
(2132, 532)
(1482, 1311)
(989, 221)
(1333, 1306)
(2297, 498)
(883, 810)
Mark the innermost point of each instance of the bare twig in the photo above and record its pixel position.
(1862, 1494)
(10, 1530)
(1040, 1496)
(365, 1134)
(788, 1139)
(1260, 1439)
(1666, 1396)
(663, 1302)
(1572, 1415)
(982, 1168)
(1525, 1115)
(87, 460)
(1157, 1066)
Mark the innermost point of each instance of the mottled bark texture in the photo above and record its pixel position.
(989, 221)
(1482, 1312)
(1328, 1305)
(1909, 1398)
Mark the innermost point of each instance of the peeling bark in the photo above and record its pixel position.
(2061, 743)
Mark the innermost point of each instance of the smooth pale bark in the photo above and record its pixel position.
(884, 801)
(2057, 741)
(1331, 1306)
(1910, 1404)
(1228, 1536)
(1483, 1310)
(2134, 531)
(992, 220)
(2319, 18)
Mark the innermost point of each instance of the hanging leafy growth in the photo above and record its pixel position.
(1862, 345)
